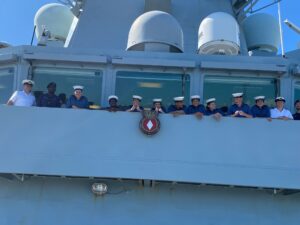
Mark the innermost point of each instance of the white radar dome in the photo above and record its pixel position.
(55, 18)
(155, 31)
(261, 32)
(219, 34)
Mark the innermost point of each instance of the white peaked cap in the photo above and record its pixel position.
(236, 95)
(137, 97)
(279, 99)
(210, 100)
(195, 97)
(31, 82)
(260, 97)
(78, 87)
(113, 97)
(157, 100)
(179, 99)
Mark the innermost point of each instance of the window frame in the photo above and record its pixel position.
(14, 76)
(84, 66)
(241, 74)
(135, 69)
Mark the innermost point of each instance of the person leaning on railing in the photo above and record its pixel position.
(157, 106)
(239, 108)
(279, 112)
(24, 97)
(178, 108)
(196, 107)
(113, 104)
(136, 104)
(260, 110)
(212, 110)
(77, 100)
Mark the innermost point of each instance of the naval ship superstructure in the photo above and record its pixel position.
(64, 166)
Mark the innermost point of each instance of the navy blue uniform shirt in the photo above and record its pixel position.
(172, 108)
(47, 100)
(192, 109)
(296, 116)
(82, 103)
(244, 107)
(208, 112)
(263, 112)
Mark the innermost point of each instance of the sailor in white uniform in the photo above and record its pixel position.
(279, 112)
(25, 97)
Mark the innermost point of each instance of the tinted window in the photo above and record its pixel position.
(6, 84)
(297, 91)
(222, 87)
(151, 85)
(66, 78)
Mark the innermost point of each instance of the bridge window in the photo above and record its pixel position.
(6, 84)
(151, 85)
(221, 87)
(297, 90)
(66, 78)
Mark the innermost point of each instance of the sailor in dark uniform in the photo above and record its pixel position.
(212, 110)
(260, 109)
(157, 106)
(49, 99)
(179, 107)
(195, 108)
(78, 101)
(113, 104)
(136, 104)
(297, 107)
(239, 109)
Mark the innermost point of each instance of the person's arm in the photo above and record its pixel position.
(289, 115)
(12, 99)
(246, 112)
(232, 112)
(34, 102)
(242, 113)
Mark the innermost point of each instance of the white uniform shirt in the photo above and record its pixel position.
(275, 113)
(21, 98)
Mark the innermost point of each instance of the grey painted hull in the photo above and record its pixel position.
(69, 201)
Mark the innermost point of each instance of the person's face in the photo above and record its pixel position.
(52, 89)
(157, 105)
(195, 102)
(27, 88)
(113, 102)
(179, 104)
(212, 106)
(279, 104)
(136, 102)
(297, 106)
(260, 103)
(78, 93)
(238, 100)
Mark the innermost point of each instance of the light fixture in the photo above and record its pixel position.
(99, 189)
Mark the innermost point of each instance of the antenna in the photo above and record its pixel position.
(32, 37)
(292, 26)
(280, 30)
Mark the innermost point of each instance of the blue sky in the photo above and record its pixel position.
(16, 20)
